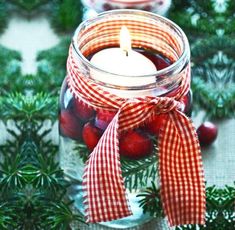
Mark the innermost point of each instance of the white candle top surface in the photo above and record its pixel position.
(118, 61)
(125, 62)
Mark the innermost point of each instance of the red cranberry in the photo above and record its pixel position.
(91, 135)
(135, 145)
(69, 126)
(103, 118)
(207, 133)
(82, 110)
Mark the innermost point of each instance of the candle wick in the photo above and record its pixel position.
(126, 53)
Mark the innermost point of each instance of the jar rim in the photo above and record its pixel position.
(174, 67)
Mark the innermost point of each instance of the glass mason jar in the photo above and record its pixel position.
(97, 6)
(81, 125)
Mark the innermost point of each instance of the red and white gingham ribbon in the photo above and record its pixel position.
(180, 163)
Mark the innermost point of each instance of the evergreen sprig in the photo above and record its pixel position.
(213, 45)
(137, 173)
(204, 18)
(29, 5)
(30, 178)
(151, 202)
(59, 216)
(3, 16)
(39, 107)
(66, 15)
(10, 71)
(82, 151)
(213, 81)
(52, 65)
(220, 207)
(7, 216)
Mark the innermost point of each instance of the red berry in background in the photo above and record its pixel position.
(91, 135)
(82, 110)
(135, 145)
(69, 126)
(207, 133)
(155, 124)
(103, 118)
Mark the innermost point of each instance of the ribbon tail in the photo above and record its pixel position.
(104, 191)
(181, 172)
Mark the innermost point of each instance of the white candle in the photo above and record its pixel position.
(125, 62)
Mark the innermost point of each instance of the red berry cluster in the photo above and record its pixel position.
(80, 121)
(73, 118)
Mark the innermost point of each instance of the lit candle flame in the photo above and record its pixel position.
(125, 40)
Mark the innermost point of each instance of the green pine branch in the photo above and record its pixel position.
(59, 216)
(19, 107)
(3, 17)
(204, 18)
(52, 66)
(66, 15)
(28, 5)
(82, 151)
(30, 178)
(137, 173)
(220, 207)
(213, 45)
(7, 216)
(151, 202)
(213, 72)
(10, 71)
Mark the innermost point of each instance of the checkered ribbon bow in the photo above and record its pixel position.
(180, 164)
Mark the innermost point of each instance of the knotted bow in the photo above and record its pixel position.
(180, 163)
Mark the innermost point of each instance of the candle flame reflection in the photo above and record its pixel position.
(125, 40)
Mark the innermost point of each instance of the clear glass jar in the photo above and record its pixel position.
(97, 6)
(81, 125)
